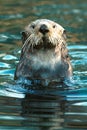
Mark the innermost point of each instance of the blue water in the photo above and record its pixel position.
(27, 107)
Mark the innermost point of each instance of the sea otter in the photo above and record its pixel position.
(44, 55)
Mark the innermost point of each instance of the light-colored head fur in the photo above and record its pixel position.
(32, 36)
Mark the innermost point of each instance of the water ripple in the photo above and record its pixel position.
(9, 57)
(5, 37)
(78, 47)
(11, 16)
(9, 72)
(4, 65)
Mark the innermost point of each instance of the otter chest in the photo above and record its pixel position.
(45, 64)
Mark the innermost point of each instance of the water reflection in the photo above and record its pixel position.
(57, 109)
(44, 108)
(43, 112)
(37, 108)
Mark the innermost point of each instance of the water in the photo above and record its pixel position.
(43, 108)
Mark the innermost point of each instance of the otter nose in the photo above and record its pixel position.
(44, 29)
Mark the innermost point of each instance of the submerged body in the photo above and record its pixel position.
(44, 54)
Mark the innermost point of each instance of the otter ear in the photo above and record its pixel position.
(24, 36)
(64, 34)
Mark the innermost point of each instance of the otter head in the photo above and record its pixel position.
(44, 34)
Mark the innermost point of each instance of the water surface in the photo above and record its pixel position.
(42, 108)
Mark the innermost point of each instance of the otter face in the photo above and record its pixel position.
(43, 33)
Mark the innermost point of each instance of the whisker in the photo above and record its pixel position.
(26, 42)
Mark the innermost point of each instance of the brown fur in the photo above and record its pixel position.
(44, 53)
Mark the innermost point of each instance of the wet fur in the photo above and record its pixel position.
(44, 57)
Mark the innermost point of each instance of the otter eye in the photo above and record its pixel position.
(54, 26)
(33, 26)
